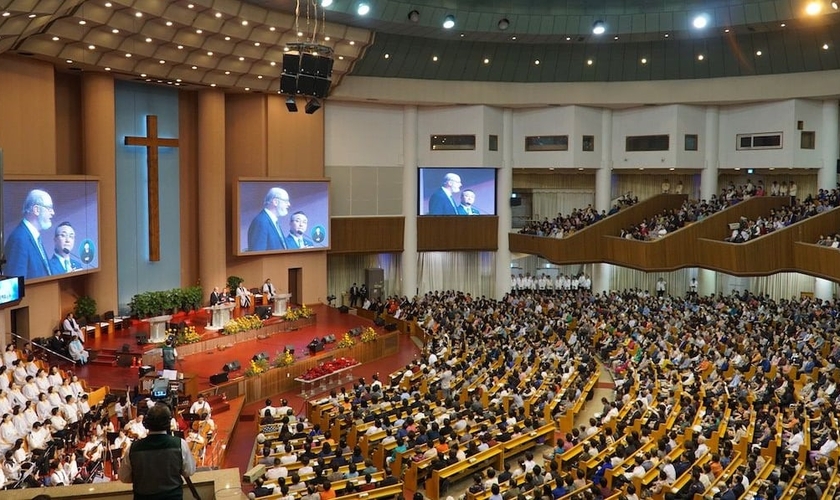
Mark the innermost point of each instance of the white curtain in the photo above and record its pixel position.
(469, 272)
(345, 269)
(676, 282)
(645, 185)
(550, 202)
(778, 286)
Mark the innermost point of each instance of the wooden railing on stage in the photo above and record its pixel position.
(282, 379)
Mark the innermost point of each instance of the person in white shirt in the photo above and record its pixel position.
(244, 296)
(29, 390)
(277, 471)
(78, 352)
(70, 326)
(268, 289)
(135, 428)
(825, 450)
(702, 447)
(201, 406)
(796, 439)
(10, 356)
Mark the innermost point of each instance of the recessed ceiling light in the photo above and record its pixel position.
(726, 30)
(227, 38)
(148, 40)
(83, 22)
(701, 57)
(115, 31)
(180, 47)
(327, 39)
(169, 23)
(672, 169)
(212, 84)
(486, 60)
(244, 23)
(199, 31)
(352, 42)
(568, 38)
(825, 46)
(340, 58)
(256, 44)
(285, 49)
(247, 89)
(813, 8)
(363, 9)
(259, 77)
(700, 21)
(92, 47)
(598, 28)
(241, 58)
(55, 39)
(7, 14)
(107, 4)
(615, 37)
(300, 33)
(835, 5)
(537, 62)
(209, 53)
(107, 69)
(138, 14)
(503, 24)
(589, 62)
(434, 58)
(190, 6)
(758, 52)
(69, 61)
(580, 168)
(644, 60)
(513, 37)
(272, 28)
(143, 75)
(227, 72)
(33, 16)
(127, 55)
(326, 3)
(449, 22)
(783, 25)
(195, 67)
(414, 16)
(218, 14)
(273, 63)
(162, 61)
(462, 35)
(667, 35)
(387, 56)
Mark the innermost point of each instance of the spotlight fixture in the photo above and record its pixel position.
(835, 5)
(363, 9)
(291, 104)
(598, 28)
(813, 8)
(700, 21)
(326, 3)
(449, 22)
(312, 106)
(504, 24)
(414, 16)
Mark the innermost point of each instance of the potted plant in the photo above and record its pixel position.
(233, 283)
(85, 307)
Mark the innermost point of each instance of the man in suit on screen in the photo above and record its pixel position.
(297, 232)
(25, 251)
(441, 201)
(62, 261)
(467, 201)
(265, 232)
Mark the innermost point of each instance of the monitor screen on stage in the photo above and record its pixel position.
(457, 191)
(51, 228)
(281, 216)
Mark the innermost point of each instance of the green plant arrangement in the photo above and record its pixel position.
(242, 324)
(257, 367)
(158, 303)
(85, 307)
(233, 283)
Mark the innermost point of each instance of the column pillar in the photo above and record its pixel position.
(99, 156)
(212, 253)
(603, 176)
(602, 277)
(409, 257)
(709, 175)
(504, 188)
(706, 282)
(830, 149)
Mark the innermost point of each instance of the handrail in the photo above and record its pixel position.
(35, 344)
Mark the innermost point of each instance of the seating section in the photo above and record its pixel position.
(748, 229)
(669, 221)
(562, 226)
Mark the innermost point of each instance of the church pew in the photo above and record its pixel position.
(493, 456)
(529, 440)
(723, 478)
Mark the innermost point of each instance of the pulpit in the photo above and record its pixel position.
(280, 301)
(157, 328)
(219, 315)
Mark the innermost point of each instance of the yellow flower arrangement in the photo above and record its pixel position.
(188, 336)
(299, 313)
(346, 341)
(256, 368)
(243, 324)
(369, 335)
(285, 358)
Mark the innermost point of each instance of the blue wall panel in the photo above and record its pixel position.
(135, 273)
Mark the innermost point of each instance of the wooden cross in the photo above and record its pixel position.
(152, 142)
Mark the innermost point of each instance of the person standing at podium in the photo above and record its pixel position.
(268, 289)
(215, 296)
(244, 296)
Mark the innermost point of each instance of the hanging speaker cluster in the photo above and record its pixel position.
(307, 71)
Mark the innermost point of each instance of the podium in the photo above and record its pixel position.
(219, 315)
(157, 328)
(280, 301)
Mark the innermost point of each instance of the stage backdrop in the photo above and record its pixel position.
(135, 273)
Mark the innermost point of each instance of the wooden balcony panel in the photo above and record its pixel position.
(453, 233)
(816, 260)
(366, 234)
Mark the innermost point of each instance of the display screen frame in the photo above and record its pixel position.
(18, 284)
(81, 207)
(311, 196)
(476, 179)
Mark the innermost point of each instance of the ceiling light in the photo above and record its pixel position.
(143, 75)
(190, 6)
(148, 40)
(363, 9)
(169, 23)
(273, 63)
(300, 33)
(83, 22)
(644, 60)
(127, 55)
(218, 14)
(598, 28)
(256, 44)
(195, 67)
(198, 32)
(55, 39)
(589, 62)
(212, 84)
(387, 56)
(486, 61)
(414, 16)
(727, 29)
(813, 8)
(227, 72)
(835, 5)
(69, 61)
(247, 89)
(700, 57)
(92, 47)
(115, 31)
(326, 3)
(462, 35)
(107, 69)
(700, 21)
(227, 38)
(503, 24)
(285, 49)
(667, 35)
(340, 58)
(352, 42)
(272, 28)
(434, 58)
(138, 14)
(107, 4)
(537, 62)
(244, 23)
(568, 38)
(180, 47)
(783, 25)
(259, 77)
(7, 14)
(825, 46)
(209, 53)
(758, 52)
(449, 22)
(33, 16)
(162, 61)
(327, 39)
(513, 37)
(615, 37)
(241, 58)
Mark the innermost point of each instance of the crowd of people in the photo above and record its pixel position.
(731, 362)
(673, 219)
(798, 210)
(562, 226)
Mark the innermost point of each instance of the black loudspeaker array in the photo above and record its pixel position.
(219, 378)
(306, 74)
(259, 356)
(231, 366)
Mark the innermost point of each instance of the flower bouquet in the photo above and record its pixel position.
(369, 335)
(346, 341)
(243, 324)
(256, 367)
(285, 358)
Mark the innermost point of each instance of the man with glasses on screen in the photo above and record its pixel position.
(62, 261)
(441, 201)
(25, 252)
(265, 232)
(297, 232)
(467, 203)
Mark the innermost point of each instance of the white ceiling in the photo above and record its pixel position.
(227, 44)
